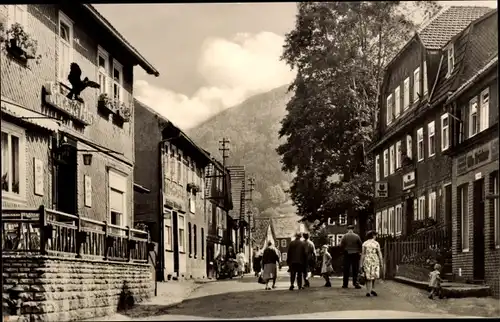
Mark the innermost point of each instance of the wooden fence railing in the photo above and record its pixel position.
(53, 232)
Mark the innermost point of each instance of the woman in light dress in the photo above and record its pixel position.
(326, 265)
(371, 262)
(240, 259)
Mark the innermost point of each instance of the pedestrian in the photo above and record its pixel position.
(311, 259)
(270, 260)
(435, 282)
(371, 262)
(230, 261)
(256, 261)
(326, 265)
(296, 260)
(351, 245)
(240, 259)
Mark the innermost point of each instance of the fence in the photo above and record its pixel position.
(51, 232)
(422, 250)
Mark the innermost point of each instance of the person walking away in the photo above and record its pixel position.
(270, 261)
(371, 262)
(351, 245)
(256, 261)
(311, 258)
(240, 259)
(326, 265)
(435, 282)
(296, 260)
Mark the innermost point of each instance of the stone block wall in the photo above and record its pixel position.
(68, 289)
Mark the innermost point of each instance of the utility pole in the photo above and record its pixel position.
(224, 148)
(251, 185)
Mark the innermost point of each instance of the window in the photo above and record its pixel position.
(378, 222)
(168, 231)
(445, 132)
(420, 144)
(451, 59)
(65, 55)
(406, 93)
(398, 155)
(473, 119)
(377, 168)
(331, 239)
(179, 169)
(432, 205)
(409, 149)
(13, 161)
(390, 112)
(18, 14)
(190, 238)
(202, 243)
(421, 208)
(397, 101)
(426, 86)
(390, 221)
(496, 215)
(331, 222)
(195, 239)
(103, 70)
(392, 159)
(182, 233)
(339, 238)
(416, 85)
(343, 219)
(399, 219)
(117, 81)
(117, 198)
(384, 222)
(283, 257)
(283, 243)
(431, 137)
(484, 109)
(464, 216)
(386, 163)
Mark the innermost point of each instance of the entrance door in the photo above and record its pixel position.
(409, 215)
(447, 207)
(175, 224)
(65, 179)
(478, 239)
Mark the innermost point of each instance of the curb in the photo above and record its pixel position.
(449, 291)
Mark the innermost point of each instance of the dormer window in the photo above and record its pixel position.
(451, 59)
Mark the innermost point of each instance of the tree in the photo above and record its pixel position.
(339, 50)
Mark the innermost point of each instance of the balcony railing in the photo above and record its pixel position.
(50, 232)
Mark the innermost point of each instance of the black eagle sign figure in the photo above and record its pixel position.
(77, 84)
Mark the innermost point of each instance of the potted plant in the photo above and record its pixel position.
(105, 103)
(123, 111)
(17, 42)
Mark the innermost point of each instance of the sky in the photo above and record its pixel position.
(211, 56)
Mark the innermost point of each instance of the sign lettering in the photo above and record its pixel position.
(477, 157)
(409, 180)
(73, 108)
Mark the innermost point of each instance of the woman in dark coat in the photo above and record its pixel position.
(256, 261)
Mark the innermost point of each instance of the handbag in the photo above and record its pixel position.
(261, 280)
(361, 278)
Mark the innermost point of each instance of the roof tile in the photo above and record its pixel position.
(285, 226)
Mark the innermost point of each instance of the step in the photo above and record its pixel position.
(450, 289)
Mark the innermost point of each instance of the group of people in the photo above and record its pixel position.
(236, 262)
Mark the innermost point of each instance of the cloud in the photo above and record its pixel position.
(233, 71)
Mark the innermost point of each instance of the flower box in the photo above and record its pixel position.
(19, 44)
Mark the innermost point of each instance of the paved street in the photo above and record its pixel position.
(246, 299)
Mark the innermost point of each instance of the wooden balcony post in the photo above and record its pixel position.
(129, 238)
(79, 242)
(106, 240)
(43, 236)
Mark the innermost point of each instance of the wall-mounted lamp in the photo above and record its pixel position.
(87, 155)
(87, 158)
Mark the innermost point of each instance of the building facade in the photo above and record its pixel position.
(174, 166)
(238, 217)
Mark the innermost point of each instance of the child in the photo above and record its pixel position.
(435, 282)
(326, 265)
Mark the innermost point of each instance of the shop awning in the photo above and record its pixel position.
(11, 108)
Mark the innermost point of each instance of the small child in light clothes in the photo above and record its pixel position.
(326, 265)
(435, 282)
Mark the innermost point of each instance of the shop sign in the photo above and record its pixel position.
(409, 180)
(477, 157)
(73, 108)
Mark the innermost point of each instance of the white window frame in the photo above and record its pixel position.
(118, 66)
(12, 15)
(397, 101)
(464, 214)
(484, 110)
(399, 219)
(432, 204)
(11, 129)
(451, 59)
(378, 222)
(409, 146)
(169, 233)
(445, 132)
(391, 220)
(283, 257)
(496, 213)
(181, 237)
(332, 240)
(331, 222)
(119, 182)
(406, 93)
(431, 133)
(377, 168)
(420, 149)
(392, 159)
(389, 110)
(426, 85)
(398, 155)
(473, 116)
(67, 21)
(421, 208)
(283, 243)
(384, 222)
(386, 162)
(339, 238)
(343, 219)
(416, 84)
(105, 72)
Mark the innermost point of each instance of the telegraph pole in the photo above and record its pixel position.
(224, 149)
(251, 184)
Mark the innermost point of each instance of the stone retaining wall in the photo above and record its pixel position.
(66, 289)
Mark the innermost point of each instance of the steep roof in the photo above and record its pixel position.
(445, 25)
(286, 226)
(237, 176)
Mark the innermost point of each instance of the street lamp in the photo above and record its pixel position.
(87, 159)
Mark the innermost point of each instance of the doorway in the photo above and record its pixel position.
(175, 224)
(409, 215)
(478, 221)
(65, 191)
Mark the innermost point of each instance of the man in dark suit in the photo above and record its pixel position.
(296, 260)
(351, 245)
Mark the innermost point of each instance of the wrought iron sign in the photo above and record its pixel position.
(409, 180)
(73, 108)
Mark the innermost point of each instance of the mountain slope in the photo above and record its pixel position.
(252, 127)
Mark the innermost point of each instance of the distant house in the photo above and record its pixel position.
(337, 227)
(284, 229)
